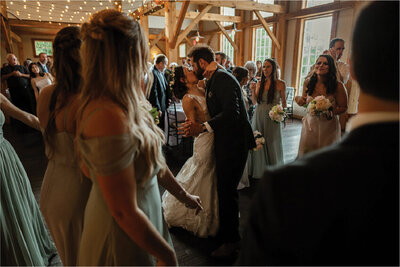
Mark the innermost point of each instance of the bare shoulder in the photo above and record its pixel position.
(44, 101)
(280, 85)
(103, 117)
(187, 102)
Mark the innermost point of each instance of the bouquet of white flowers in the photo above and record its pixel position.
(320, 106)
(260, 141)
(277, 114)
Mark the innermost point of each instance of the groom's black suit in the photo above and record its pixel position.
(233, 137)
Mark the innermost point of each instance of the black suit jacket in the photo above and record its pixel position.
(337, 206)
(232, 130)
(160, 92)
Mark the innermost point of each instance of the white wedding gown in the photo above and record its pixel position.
(198, 177)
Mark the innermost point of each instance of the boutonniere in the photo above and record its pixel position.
(210, 94)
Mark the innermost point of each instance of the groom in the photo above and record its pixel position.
(233, 137)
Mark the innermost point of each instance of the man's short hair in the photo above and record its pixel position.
(42, 53)
(159, 58)
(202, 51)
(334, 40)
(222, 55)
(377, 69)
(250, 65)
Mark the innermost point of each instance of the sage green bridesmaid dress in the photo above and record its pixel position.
(272, 152)
(24, 237)
(64, 195)
(103, 241)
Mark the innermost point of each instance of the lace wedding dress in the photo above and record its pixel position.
(198, 177)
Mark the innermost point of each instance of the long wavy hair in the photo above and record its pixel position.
(274, 78)
(114, 60)
(68, 79)
(331, 81)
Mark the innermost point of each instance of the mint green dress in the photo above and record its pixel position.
(64, 195)
(24, 237)
(103, 241)
(272, 151)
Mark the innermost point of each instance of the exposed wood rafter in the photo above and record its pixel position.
(178, 26)
(206, 17)
(6, 31)
(227, 35)
(156, 39)
(320, 10)
(15, 37)
(266, 27)
(243, 5)
(193, 23)
(188, 42)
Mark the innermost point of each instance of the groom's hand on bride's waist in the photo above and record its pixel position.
(189, 128)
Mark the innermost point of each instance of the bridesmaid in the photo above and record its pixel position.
(64, 192)
(120, 146)
(24, 237)
(270, 91)
(319, 132)
(39, 80)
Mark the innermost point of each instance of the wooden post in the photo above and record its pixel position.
(239, 40)
(173, 43)
(144, 22)
(281, 30)
(170, 19)
(298, 45)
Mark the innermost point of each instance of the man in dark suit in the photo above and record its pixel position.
(233, 137)
(42, 64)
(340, 205)
(160, 93)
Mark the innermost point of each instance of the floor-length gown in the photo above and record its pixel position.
(64, 195)
(24, 237)
(198, 177)
(272, 151)
(318, 132)
(103, 242)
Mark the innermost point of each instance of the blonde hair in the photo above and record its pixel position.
(114, 54)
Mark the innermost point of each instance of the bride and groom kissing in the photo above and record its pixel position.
(217, 118)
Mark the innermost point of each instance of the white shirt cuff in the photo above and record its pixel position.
(209, 129)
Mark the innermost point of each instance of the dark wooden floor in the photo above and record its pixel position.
(190, 250)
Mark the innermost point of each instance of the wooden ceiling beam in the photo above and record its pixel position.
(158, 38)
(227, 35)
(206, 17)
(193, 23)
(15, 37)
(320, 10)
(178, 26)
(37, 24)
(266, 28)
(243, 5)
(188, 42)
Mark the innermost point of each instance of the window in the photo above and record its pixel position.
(226, 46)
(316, 39)
(42, 46)
(182, 50)
(262, 44)
(264, 14)
(311, 3)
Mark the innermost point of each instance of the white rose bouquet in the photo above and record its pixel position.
(260, 141)
(320, 106)
(277, 114)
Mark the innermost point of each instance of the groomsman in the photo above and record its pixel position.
(340, 205)
(43, 63)
(160, 93)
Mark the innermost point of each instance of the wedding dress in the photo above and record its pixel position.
(198, 177)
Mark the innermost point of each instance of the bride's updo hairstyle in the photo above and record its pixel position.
(178, 87)
(114, 60)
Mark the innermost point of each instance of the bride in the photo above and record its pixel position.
(198, 175)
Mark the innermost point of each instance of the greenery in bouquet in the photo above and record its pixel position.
(320, 107)
(260, 141)
(154, 113)
(277, 114)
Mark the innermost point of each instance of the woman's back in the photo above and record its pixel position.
(64, 190)
(105, 152)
